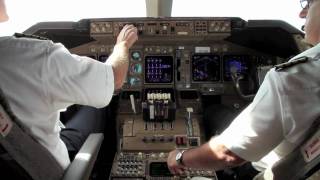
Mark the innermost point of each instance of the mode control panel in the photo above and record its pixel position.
(159, 27)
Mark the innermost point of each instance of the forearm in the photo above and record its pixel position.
(120, 53)
(204, 158)
(119, 60)
(211, 155)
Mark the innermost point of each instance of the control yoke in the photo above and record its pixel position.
(236, 79)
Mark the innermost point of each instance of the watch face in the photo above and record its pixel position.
(178, 156)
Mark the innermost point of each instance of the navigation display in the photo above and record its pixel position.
(205, 67)
(158, 69)
(235, 63)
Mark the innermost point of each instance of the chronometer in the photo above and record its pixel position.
(179, 157)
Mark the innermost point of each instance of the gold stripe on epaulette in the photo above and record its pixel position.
(299, 60)
(21, 35)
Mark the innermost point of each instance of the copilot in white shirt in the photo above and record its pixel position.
(40, 78)
(280, 115)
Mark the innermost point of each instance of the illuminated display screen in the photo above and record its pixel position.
(158, 69)
(236, 63)
(205, 67)
(159, 169)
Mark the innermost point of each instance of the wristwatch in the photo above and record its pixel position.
(179, 157)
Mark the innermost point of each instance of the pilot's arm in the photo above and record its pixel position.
(211, 155)
(119, 58)
(253, 134)
(72, 79)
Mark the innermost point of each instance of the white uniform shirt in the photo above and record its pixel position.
(281, 113)
(40, 78)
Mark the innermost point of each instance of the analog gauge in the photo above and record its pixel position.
(136, 56)
(134, 81)
(136, 69)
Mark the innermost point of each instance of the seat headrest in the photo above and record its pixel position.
(34, 158)
(5, 122)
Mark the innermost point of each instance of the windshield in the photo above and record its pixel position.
(24, 14)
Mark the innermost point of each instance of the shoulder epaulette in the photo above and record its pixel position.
(285, 65)
(20, 35)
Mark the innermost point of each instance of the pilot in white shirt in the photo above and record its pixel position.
(281, 113)
(40, 78)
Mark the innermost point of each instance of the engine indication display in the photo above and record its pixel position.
(158, 69)
(205, 67)
(235, 64)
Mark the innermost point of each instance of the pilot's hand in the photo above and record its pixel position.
(128, 35)
(173, 166)
(119, 58)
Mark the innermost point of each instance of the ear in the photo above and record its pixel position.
(3, 12)
(303, 13)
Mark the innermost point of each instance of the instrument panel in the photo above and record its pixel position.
(186, 53)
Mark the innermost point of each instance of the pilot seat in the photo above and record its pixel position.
(22, 157)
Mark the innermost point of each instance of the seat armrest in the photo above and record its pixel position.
(81, 167)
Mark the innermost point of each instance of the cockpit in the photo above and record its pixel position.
(188, 77)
